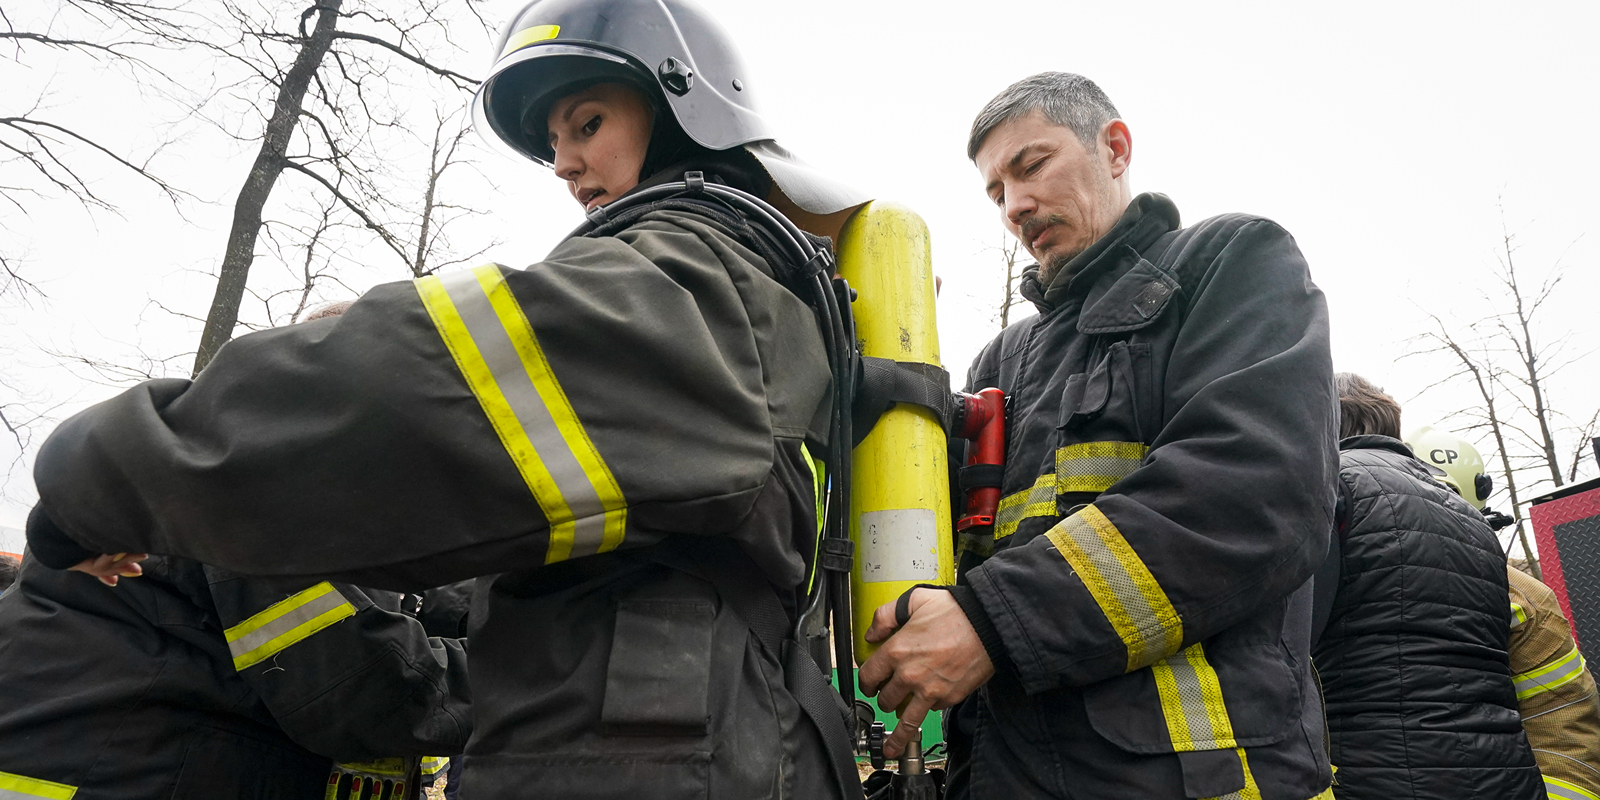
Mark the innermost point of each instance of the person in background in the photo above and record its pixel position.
(8, 571)
(1555, 689)
(195, 681)
(1413, 658)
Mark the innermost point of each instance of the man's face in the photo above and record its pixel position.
(1055, 195)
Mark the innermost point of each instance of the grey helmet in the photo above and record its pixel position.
(671, 49)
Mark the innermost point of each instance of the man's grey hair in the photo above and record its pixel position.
(1065, 99)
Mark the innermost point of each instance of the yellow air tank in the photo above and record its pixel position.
(900, 488)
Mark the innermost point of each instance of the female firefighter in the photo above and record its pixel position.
(623, 432)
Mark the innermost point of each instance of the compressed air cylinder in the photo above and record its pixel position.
(900, 489)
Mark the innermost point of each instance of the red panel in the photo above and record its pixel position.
(1546, 516)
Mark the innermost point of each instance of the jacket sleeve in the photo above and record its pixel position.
(1555, 690)
(1227, 513)
(345, 677)
(460, 425)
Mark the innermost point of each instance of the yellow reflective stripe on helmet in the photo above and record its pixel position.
(1095, 466)
(1250, 790)
(17, 787)
(285, 623)
(432, 764)
(1561, 790)
(1518, 616)
(496, 350)
(527, 36)
(1560, 672)
(1121, 584)
(1191, 701)
(1038, 500)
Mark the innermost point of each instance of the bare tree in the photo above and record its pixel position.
(1483, 375)
(1009, 256)
(328, 104)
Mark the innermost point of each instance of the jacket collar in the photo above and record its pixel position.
(1146, 219)
(1375, 442)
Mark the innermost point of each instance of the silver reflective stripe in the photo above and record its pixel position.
(589, 517)
(1558, 673)
(292, 620)
(1518, 616)
(1561, 790)
(20, 787)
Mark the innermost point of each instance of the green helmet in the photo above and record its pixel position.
(1454, 462)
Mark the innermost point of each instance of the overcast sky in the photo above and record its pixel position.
(1385, 136)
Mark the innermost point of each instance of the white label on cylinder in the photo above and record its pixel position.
(900, 544)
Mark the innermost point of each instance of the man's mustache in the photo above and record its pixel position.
(1032, 225)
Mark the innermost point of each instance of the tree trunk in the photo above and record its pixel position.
(247, 210)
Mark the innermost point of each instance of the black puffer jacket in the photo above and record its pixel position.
(1413, 661)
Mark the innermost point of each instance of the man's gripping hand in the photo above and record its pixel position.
(933, 662)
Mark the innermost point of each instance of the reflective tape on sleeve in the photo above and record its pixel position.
(432, 764)
(497, 352)
(1095, 466)
(1518, 616)
(285, 623)
(1038, 500)
(1561, 790)
(18, 787)
(1559, 672)
(1121, 584)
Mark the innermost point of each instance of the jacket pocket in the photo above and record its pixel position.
(658, 676)
(1113, 401)
(221, 763)
(1246, 695)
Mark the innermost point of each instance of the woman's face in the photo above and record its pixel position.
(600, 135)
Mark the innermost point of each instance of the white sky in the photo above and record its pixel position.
(1381, 135)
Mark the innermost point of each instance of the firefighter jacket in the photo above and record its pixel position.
(1555, 692)
(573, 426)
(1413, 660)
(193, 682)
(1168, 488)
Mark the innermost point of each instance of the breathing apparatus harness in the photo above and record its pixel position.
(864, 389)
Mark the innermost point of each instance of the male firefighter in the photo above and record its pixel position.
(1137, 624)
(623, 432)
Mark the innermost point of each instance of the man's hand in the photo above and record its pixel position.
(108, 568)
(936, 660)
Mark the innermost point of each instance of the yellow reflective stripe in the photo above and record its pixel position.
(1191, 701)
(1087, 467)
(1561, 790)
(285, 623)
(432, 764)
(17, 787)
(1250, 790)
(1560, 672)
(1518, 616)
(527, 36)
(613, 506)
(817, 471)
(1038, 500)
(1121, 584)
(495, 348)
(1095, 466)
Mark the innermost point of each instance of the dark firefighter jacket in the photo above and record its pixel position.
(1414, 661)
(1555, 692)
(569, 425)
(1168, 490)
(193, 682)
